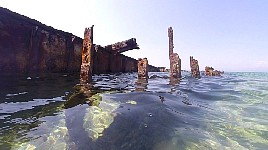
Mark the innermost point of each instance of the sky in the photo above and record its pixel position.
(229, 35)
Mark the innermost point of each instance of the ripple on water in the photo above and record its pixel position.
(227, 112)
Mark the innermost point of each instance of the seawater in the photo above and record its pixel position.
(118, 111)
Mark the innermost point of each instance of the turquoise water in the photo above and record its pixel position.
(118, 111)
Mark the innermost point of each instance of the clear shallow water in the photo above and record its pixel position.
(121, 112)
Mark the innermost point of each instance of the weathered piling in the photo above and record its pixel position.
(170, 40)
(175, 61)
(87, 50)
(175, 66)
(194, 67)
(209, 71)
(142, 68)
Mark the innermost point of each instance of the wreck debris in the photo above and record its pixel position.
(73, 37)
(175, 61)
(142, 68)
(194, 67)
(175, 66)
(162, 69)
(123, 46)
(142, 82)
(52, 50)
(209, 71)
(170, 37)
(87, 49)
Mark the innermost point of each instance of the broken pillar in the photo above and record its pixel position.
(142, 68)
(175, 65)
(87, 50)
(170, 38)
(194, 67)
(209, 71)
(175, 61)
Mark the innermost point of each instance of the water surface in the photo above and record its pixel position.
(118, 111)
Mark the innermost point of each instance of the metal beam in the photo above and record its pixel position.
(120, 47)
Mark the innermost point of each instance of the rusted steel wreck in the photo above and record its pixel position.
(28, 46)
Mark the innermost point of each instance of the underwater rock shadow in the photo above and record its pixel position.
(148, 124)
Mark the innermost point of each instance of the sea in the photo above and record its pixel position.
(122, 112)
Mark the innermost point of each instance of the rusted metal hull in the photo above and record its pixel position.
(28, 46)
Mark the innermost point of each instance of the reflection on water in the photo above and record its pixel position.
(83, 94)
(119, 111)
(141, 84)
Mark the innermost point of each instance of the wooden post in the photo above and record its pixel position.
(194, 67)
(87, 50)
(142, 68)
(175, 61)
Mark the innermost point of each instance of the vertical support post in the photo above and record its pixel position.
(170, 37)
(175, 66)
(143, 68)
(194, 67)
(87, 51)
(175, 61)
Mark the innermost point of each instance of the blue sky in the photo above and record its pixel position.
(229, 35)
